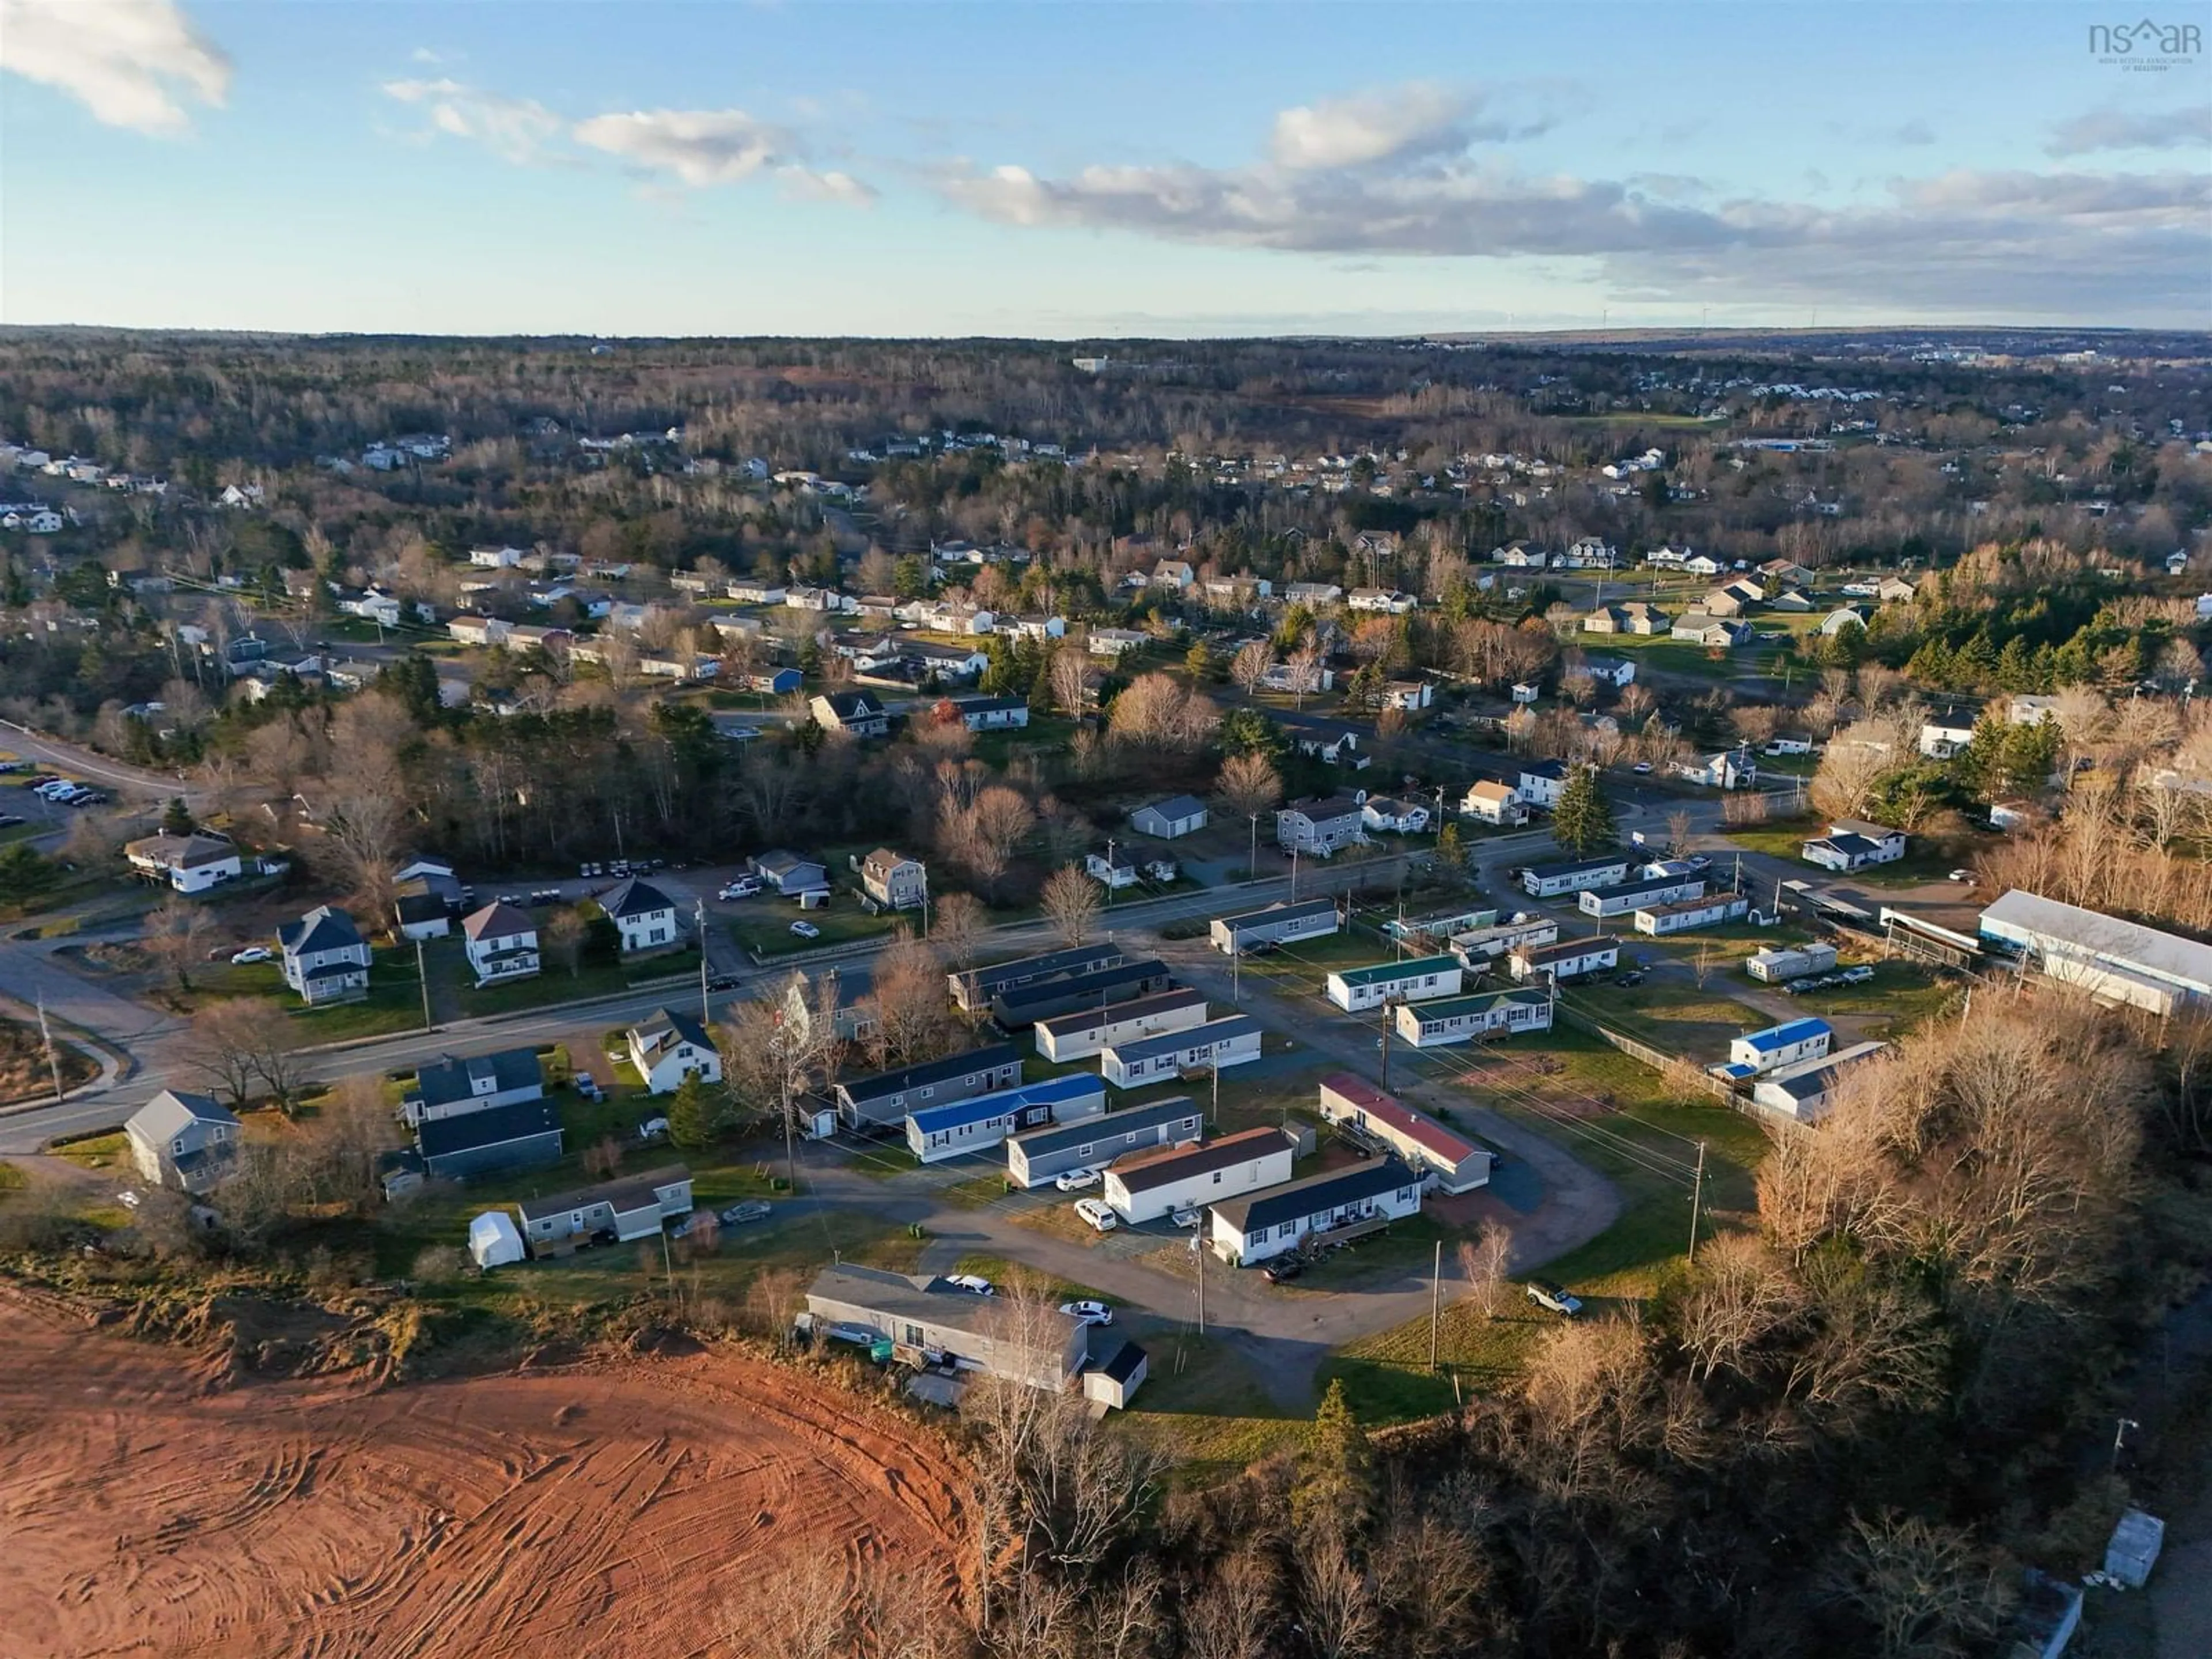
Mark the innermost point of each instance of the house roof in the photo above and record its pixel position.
(1277, 911)
(1423, 1132)
(498, 920)
(883, 862)
(1295, 1200)
(1169, 1164)
(1053, 1091)
(1321, 812)
(1089, 1130)
(1382, 973)
(1578, 866)
(1861, 827)
(633, 897)
(441, 1137)
(883, 1085)
(1638, 889)
(1172, 1042)
(170, 1112)
(1121, 1362)
(922, 1300)
(1085, 1019)
(1477, 1002)
(321, 929)
(2090, 934)
(1788, 1032)
(181, 852)
(782, 864)
(1490, 789)
(1850, 846)
(450, 1078)
(625, 1196)
(1567, 948)
(1098, 984)
(669, 1027)
(852, 705)
(1174, 807)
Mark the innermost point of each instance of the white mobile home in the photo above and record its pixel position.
(1776, 964)
(1093, 1030)
(1680, 917)
(1781, 1045)
(1091, 1143)
(1568, 959)
(1550, 880)
(1355, 990)
(1217, 1045)
(925, 1316)
(1608, 902)
(1803, 1091)
(1463, 1019)
(1484, 945)
(1155, 1184)
(1450, 1162)
(1337, 1204)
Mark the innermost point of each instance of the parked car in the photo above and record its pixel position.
(653, 1128)
(1091, 1313)
(1076, 1181)
(8, 820)
(1699, 861)
(1967, 876)
(805, 930)
(723, 982)
(974, 1284)
(1095, 1212)
(1189, 1218)
(1546, 1294)
(749, 1209)
(1284, 1269)
(742, 887)
(1632, 978)
(1858, 975)
(1641, 767)
(250, 953)
(588, 1086)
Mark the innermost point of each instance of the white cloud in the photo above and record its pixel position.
(132, 62)
(700, 147)
(517, 129)
(827, 185)
(1339, 132)
(2115, 129)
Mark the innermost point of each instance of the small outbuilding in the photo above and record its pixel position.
(494, 1241)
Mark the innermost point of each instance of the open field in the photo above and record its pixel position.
(157, 1509)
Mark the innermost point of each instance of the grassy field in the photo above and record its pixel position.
(764, 928)
(98, 1152)
(556, 985)
(1677, 1018)
(1906, 991)
(1202, 1408)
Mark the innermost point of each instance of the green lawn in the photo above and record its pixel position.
(394, 1003)
(556, 985)
(1202, 1408)
(1906, 991)
(98, 1152)
(763, 927)
(1677, 1018)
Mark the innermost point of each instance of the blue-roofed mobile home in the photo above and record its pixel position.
(971, 1125)
(1781, 1045)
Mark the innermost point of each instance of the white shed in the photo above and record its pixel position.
(494, 1240)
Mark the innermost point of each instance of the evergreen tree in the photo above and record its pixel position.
(1199, 659)
(691, 1114)
(1336, 1487)
(1451, 854)
(1583, 818)
(177, 817)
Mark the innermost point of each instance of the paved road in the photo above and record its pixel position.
(80, 762)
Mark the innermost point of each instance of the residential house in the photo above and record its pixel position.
(895, 881)
(1526, 693)
(1702, 627)
(1837, 620)
(190, 864)
(2027, 709)
(1416, 979)
(1792, 600)
(858, 712)
(1294, 678)
(1408, 695)
(1804, 1091)
(1381, 601)
(325, 958)
(1319, 827)
(452, 1087)
(1114, 869)
(1700, 564)
(1570, 958)
(644, 915)
(1731, 769)
(1853, 843)
(670, 1046)
(935, 1133)
(1778, 964)
(1083, 1032)
(1940, 739)
(182, 1141)
(1217, 1045)
(500, 943)
(1114, 641)
(993, 713)
(1574, 875)
(524, 1136)
(1783, 573)
(888, 1097)
(1471, 1018)
(636, 1207)
(928, 1318)
(1709, 910)
(1616, 671)
(1312, 595)
(1153, 1185)
(1607, 902)
(1092, 1142)
(776, 683)
(1020, 1006)
(1279, 923)
(1336, 1205)
(750, 591)
(1494, 803)
(1398, 818)
(1542, 783)
(1894, 590)
(1781, 1045)
(973, 988)
(1331, 743)
(1382, 1123)
(1173, 573)
(790, 874)
(1178, 814)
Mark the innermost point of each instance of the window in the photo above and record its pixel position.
(1286, 1230)
(1216, 1177)
(1084, 1151)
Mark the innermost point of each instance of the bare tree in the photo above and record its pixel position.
(914, 1017)
(1248, 784)
(563, 939)
(1926, 1589)
(1482, 1263)
(1233, 1616)
(1071, 903)
(1341, 1620)
(1678, 834)
(957, 926)
(175, 930)
(1249, 666)
(1071, 681)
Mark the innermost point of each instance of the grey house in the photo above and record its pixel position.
(1036, 1157)
(519, 1137)
(632, 1207)
(1022, 1006)
(1320, 827)
(789, 874)
(888, 1097)
(325, 958)
(183, 1142)
(1276, 924)
(894, 880)
(928, 1316)
(973, 989)
(450, 1087)
(1178, 814)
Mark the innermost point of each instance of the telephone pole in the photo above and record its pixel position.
(1435, 1300)
(1697, 1195)
(422, 975)
(699, 921)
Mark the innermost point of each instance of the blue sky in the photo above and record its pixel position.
(1076, 170)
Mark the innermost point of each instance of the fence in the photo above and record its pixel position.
(1657, 1059)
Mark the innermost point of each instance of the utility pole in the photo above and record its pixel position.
(1198, 1255)
(1252, 865)
(46, 1035)
(1110, 872)
(1214, 1126)
(2120, 1435)
(1294, 874)
(1435, 1300)
(422, 974)
(699, 920)
(1235, 970)
(1386, 1046)
(1696, 1195)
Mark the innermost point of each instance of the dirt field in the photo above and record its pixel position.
(615, 1509)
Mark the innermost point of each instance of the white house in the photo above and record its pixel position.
(644, 916)
(670, 1046)
(325, 958)
(1709, 910)
(1803, 1091)
(1491, 802)
(1450, 1162)
(1400, 817)
(1319, 828)
(937, 1133)
(1550, 880)
(1274, 924)
(1158, 1183)
(1065, 1037)
(1606, 902)
(182, 1140)
(1781, 1045)
(1336, 1204)
(1731, 769)
(1465, 1019)
(1570, 958)
(1381, 601)
(1178, 814)
(1852, 844)
(500, 943)
(1941, 739)
(1217, 1045)
(1114, 869)
(190, 864)
(1411, 696)
(1542, 782)
(1356, 990)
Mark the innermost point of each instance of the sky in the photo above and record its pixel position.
(1092, 171)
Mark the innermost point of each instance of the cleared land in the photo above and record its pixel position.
(155, 1510)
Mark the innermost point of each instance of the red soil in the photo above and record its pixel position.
(622, 1507)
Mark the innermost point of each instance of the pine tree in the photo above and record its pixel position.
(1583, 818)
(1451, 854)
(177, 817)
(1336, 1486)
(691, 1114)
